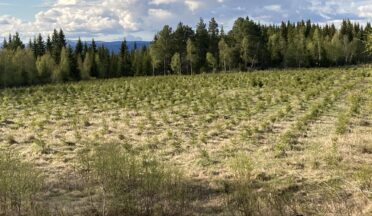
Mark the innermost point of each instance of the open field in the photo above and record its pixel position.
(262, 143)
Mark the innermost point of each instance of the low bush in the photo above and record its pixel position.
(20, 184)
(133, 185)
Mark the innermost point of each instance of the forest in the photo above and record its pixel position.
(247, 46)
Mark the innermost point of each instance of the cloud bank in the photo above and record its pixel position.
(140, 19)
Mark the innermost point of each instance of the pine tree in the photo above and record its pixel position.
(56, 49)
(180, 37)
(14, 42)
(201, 42)
(39, 46)
(79, 48)
(124, 60)
(62, 39)
(94, 46)
(213, 37)
(32, 46)
(49, 46)
(5, 44)
(74, 69)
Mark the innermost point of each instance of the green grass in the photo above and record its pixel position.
(261, 143)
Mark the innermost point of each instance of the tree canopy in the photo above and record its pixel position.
(248, 45)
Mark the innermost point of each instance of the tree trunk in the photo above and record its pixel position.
(191, 67)
(164, 67)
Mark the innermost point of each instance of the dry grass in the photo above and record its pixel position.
(296, 145)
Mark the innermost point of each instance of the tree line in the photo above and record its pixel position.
(248, 45)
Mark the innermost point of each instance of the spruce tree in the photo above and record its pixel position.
(201, 42)
(49, 45)
(124, 59)
(40, 46)
(213, 32)
(79, 48)
(94, 46)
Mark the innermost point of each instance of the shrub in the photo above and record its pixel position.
(246, 196)
(132, 185)
(20, 183)
(342, 123)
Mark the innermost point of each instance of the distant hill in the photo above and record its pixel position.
(112, 46)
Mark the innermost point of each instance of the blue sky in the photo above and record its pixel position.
(17, 8)
(140, 19)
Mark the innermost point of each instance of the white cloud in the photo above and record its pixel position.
(114, 19)
(160, 14)
(274, 8)
(365, 11)
(193, 4)
(158, 2)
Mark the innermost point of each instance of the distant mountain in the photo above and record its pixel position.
(115, 45)
(112, 46)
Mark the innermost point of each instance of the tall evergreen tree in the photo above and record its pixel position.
(49, 45)
(124, 59)
(213, 32)
(201, 42)
(79, 48)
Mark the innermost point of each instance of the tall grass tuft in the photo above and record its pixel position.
(133, 185)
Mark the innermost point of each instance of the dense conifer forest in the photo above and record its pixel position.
(248, 45)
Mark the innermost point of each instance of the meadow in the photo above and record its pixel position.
(279, 142)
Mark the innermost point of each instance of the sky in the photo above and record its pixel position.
(111, 20)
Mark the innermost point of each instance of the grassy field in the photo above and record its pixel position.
(263, 143)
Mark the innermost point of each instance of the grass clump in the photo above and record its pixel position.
(133, 185)
(249, 196)
(342, 123)
(20, 183)
(364, 177)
